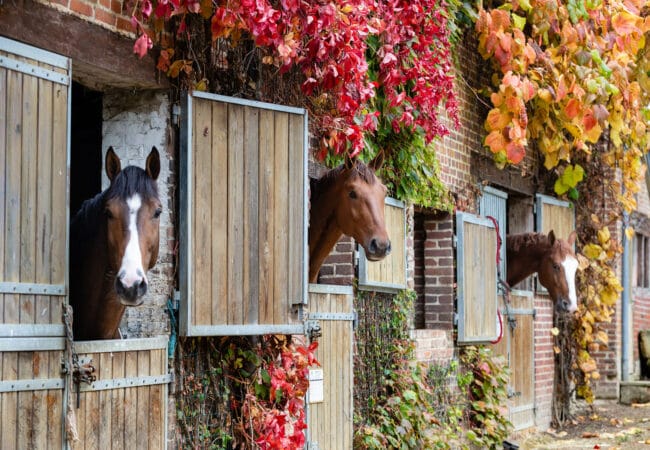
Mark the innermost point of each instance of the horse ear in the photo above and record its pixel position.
(349, 161)
(572, 238)
(551, 237)
(377, 161)
(153, 163)
(112, 164)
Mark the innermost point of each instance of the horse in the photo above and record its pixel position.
(348, 199)
(114, 239)
(552, 259)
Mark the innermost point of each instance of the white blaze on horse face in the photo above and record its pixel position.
(131, 271)
(570, 265)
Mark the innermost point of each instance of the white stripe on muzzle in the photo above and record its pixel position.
(131, 271)
(570, 265)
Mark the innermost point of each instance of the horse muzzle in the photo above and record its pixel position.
(565, 305)
(131, 295)
(377, 249)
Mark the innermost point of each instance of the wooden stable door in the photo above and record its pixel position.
(329, 400)
(516, 345)
(243, 217)
(34, 117)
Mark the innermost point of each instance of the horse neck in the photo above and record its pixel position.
(323, 230)
(97, 311)
(524, 261)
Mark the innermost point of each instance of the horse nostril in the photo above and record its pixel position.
(388, 248)
(142, 288)
(373, 246)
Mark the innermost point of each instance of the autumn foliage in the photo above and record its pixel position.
(328, 43)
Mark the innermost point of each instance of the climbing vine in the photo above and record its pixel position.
(375, 75)
(572, 79)
(242, 392)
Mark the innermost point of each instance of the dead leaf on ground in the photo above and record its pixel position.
(590, 434)
(640, 405)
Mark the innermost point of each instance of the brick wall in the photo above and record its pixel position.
(434, 270)
(338, 268)
(132, 124)
(110, 14)
(544, 361)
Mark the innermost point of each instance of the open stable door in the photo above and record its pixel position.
(34, 154)
(243, 264)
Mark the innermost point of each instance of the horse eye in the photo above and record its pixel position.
(108, 213)
(556, 266)
(353, 194)
(157, 213)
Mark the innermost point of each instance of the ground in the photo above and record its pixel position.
(606, 425)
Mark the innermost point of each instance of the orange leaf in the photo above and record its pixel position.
(624, 23)
(495, 141)
(572, 108)
(515, 152)
(497, 120)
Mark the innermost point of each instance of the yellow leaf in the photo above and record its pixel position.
(555, 331)
(592, 251)
(603, 235)
(629, 232)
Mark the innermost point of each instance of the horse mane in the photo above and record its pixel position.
(86, 221)
(359, 169)
(516, 241)
(132, 180)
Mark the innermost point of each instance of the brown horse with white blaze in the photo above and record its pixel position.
(348, 199)
(551, 258)
(114, 241)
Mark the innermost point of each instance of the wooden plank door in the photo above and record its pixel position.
(329, 402)
(516, 345)
(243, 183)
(34, 154)
(126, 406)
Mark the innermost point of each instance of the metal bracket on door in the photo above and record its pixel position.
(313, 329)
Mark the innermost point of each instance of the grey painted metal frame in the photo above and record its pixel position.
(31, 330)
(36, 384)
(32, 288)
(119, 383)
(122, 345)
(31, 344)
(493, 202)
(371, 285)
(187, 196)
(461, 219)
(330, 289)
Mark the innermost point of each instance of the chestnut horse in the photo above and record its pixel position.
(113, 242)
(348, 199)
(552, 259)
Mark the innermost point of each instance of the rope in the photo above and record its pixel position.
(502, 286)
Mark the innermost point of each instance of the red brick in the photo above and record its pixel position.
(105, 17)
(81, 7)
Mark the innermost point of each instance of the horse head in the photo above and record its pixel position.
(557, 272)
(132, 209)
(360, 208)
(349, 199)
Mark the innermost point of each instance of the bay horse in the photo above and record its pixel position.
(551, 258)
(348, 199)
(114, 240)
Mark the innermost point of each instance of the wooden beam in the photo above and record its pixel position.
(100, 58)
(484, 169)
